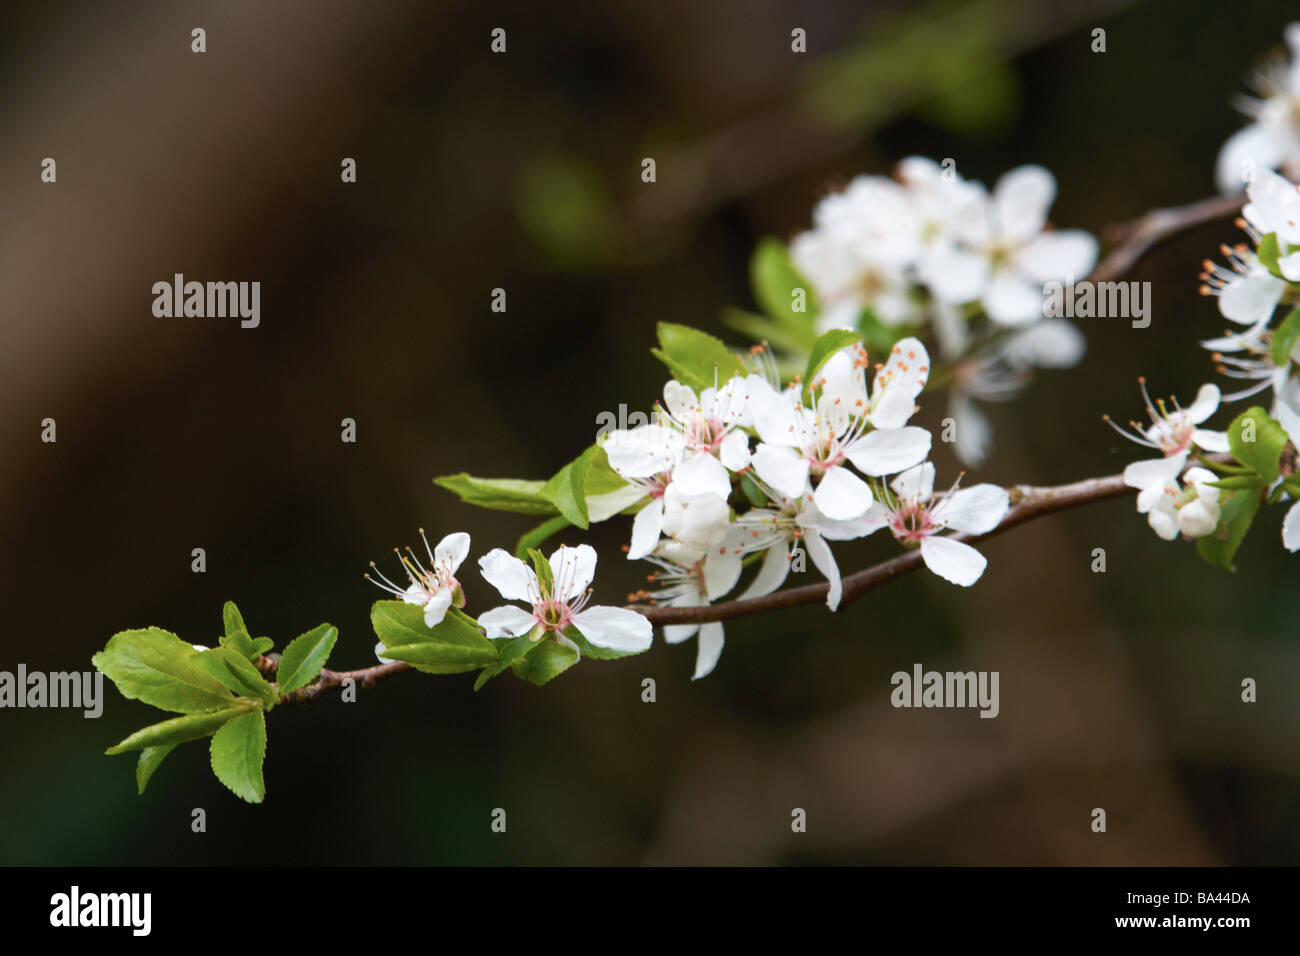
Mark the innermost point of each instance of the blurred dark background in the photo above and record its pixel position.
(1119, 690)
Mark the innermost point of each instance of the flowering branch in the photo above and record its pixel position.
(1141, 235)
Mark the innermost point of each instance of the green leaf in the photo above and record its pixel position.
(435, 658)
(1238, 482)
(567, 489)
(240, 643)
(233, 620)
(1284, 339)
(753, 493)
(826, 346)
(542, 567)
(234, 671)
(304, 657)
(601, 477)
(237, 752)
(1237, 511)
(774, 281)
(547, 660)
(178, 730)
(262, 645)
(150, 758)
(508, 651)
(534, 538)
(1262, 453)
(500, 494)
(156, 667)
(1269, 251)
(696, 358)
(398, 624)
(762, 328)
(878, 336)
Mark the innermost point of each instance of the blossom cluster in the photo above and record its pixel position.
(931, 251)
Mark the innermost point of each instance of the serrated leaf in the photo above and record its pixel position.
(261, 645)
(1262, 454)
(178, 730)
(696, 358)
(397, 624)
(234, 671)
(1284, 338)
(567, 489)
(433, 657)
(826, 346)
(157, 667)
(233, 620)
(500, 494)
(548, 660)
(1237, 510)
(240, 643)
(1268, 252)
(303, 659)
(237, 752)
(149, 760)
(762, 328)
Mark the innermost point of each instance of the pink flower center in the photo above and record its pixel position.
(911, 523)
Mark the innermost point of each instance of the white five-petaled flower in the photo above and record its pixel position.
(561, 605)
(695, 443)
(1247, 292)
(434, 588)
(689, 578)
(779, 531)
(1272, 140)
(1192, 510)
(1004, 257)
(847, 425)
(916, 518)
(1172, 432)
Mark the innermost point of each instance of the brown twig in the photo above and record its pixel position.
(1140, 236)
(1136, 239)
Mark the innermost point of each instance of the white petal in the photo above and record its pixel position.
(1206, 404)
(1067, 254)
(506, 621)
(824, 562)
(1251, 148)
(1164, 523)
(604, 506)
(954, 561)
(1012, 301)
(511, 577)
(1291, 528)
(436, 609)
(680, 400)
(721, 572)
(1154, 472)
(1021, 200)
(1251, 298)
(646, 526)
(710, 649)
(772, 573)
(614, 627)
(573, 570)
(1289, 266)
(643, 452)
(1052, 343)
(676, 633)
(734, 450)
(842, 495)
(875, 518)
(785, 469)
(974, 433)
(976, 510)
(1196, 519)
(915, 484)
(701, 474)
(889, 450)
(955, 276)
(892, 409)
(1210, 441)
(452, 550)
